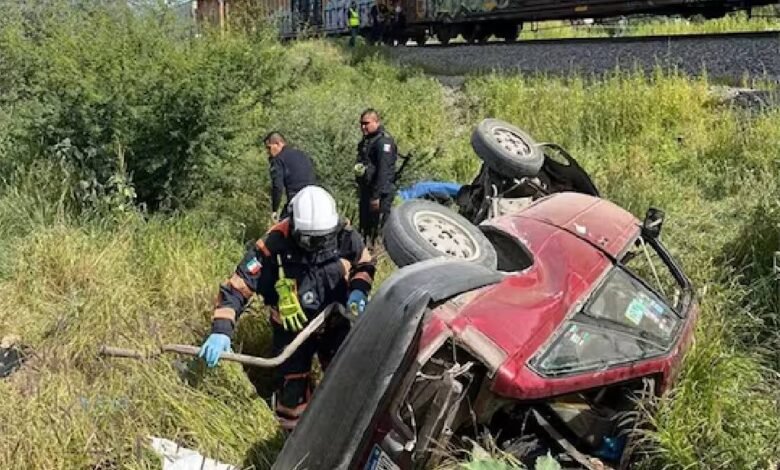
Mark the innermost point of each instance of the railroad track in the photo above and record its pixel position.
(775, 34)
(728, 56)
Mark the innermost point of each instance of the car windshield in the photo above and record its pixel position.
(627, 305)
(623, 322)
(586, 347)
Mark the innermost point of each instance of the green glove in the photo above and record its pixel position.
(290, 309)
(293, 319)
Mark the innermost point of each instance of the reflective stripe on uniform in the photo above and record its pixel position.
(260, 244)
(225, 313)
(347, 267)
(237, 283)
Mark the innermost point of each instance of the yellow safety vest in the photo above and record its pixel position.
(354, 18)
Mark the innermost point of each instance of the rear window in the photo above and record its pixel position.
(584, 347)
(624, 303)
(623, 322)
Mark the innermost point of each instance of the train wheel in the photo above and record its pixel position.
(509, 32)
(469, 34)
(444, 34)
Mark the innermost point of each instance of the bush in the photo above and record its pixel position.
(94, 86)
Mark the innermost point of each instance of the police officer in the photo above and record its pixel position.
(353, 22)
(327, 262)
(374, 172)
(290, 171)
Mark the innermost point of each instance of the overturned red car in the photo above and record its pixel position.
(542, 328)
(538, 314)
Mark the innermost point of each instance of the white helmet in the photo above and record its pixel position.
(314, 212)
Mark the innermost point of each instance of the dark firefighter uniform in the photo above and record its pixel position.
(322, 277)
(377, 153)
(291, 171)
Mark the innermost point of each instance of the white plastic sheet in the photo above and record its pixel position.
(175, 457)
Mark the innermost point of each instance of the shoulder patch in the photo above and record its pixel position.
(253, 266)
(387, 147)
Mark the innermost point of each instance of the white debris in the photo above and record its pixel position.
(176, 457)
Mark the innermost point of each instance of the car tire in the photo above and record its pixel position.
(507, 149)
(419, 230)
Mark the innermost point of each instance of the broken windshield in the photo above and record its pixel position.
(586, 347)
(623, 322)
(627, 305)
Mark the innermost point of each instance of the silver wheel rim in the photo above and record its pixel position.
(445, 235)
(512, 142)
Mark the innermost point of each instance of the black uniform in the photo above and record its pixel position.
(291, 170)
(321, 278)
(378, 153)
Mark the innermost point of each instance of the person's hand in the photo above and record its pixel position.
(360, 170)
(375, 205)
(293, 320)
(357, 302)
(215, 345)
(274, 217)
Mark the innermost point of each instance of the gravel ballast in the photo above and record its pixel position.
(727, 57)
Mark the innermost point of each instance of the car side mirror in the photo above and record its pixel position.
(654, 220)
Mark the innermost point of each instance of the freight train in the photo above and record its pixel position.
(474, 20)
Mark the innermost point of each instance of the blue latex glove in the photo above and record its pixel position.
(216, 344)
(357, 302)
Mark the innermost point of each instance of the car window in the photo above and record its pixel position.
(625, 303)
(585, 347)
(645, 263)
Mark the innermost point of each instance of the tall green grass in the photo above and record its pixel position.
(76, 274)
(665, 141)
(764, 19)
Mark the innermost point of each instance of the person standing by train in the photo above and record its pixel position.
(353, 23)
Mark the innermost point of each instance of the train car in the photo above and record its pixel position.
(475, 20)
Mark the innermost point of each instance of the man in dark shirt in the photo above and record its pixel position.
(375, 174)
(291, 170)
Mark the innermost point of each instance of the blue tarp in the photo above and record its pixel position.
(430, 188)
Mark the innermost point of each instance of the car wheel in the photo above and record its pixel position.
(507, 149)
(418, 230)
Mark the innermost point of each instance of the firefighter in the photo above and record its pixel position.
(322, 261)
(290, 171)
(375, 174)
(353, 22)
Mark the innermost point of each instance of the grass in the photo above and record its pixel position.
(73, 278)
(764, 19)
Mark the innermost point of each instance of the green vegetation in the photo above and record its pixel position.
(764, 19)
(131, 177)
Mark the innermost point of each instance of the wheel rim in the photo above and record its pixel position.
(445, 235)
(512, 142)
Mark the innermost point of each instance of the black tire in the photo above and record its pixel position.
(406, 244)
(507, 149)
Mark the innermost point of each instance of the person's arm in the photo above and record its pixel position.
(361, 273)
(256, 273)
(385, 167)
(277, 183)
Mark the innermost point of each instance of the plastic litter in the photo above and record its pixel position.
(175, 457)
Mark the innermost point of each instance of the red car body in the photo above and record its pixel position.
(552, 342)
(574, 240)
